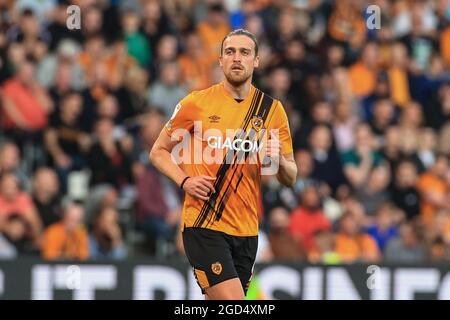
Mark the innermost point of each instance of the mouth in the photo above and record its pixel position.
(237, 68)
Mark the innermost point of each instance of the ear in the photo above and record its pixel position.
(256, 62)
(220, 60)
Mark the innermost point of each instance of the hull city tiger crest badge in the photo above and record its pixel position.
(257, 123)
(216, 268)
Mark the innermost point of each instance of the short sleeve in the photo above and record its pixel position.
(182, 117)
(280, 121)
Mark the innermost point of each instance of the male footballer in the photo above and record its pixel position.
(220, 218)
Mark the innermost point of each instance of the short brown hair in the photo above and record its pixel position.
(241, 32)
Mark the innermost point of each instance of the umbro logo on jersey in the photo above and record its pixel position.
(214, 119)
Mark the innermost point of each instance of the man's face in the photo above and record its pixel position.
(238, 59)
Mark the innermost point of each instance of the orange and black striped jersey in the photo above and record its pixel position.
(213, 128)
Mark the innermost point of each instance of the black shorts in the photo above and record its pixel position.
(216, 256)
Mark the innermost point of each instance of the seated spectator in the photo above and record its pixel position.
(17, 231)
(325, 249)
(284, 246)
(359, 162)
(106, 239)
(383, 229)
(407, 248)
(383, 118)
(166, 92)
(14, 201)
(433, 189)
(308, 218)
(375, 190)
(156, 212)
(194, 68)
(404, 193)
(65, 140)
(26, 105)
(427, 145)
(352, 244)
(110, 159)
(46, 195)
(68, 239)
(10, 161)
(327, 163)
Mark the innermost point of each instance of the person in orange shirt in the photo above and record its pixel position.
(26, 105)
(352, 245)
(194, 68)
(433, 189)
(13, 201)
(220, 212)
(67, 239)
(363, 74)
(213, 30)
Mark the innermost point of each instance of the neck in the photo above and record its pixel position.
(238, 92)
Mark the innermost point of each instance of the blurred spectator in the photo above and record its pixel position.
(13, 201)
(194, 68)
(363, 74)
(327, 162)
(308, 218)
(213, 30)
(321, 114)
(383, 118)
(46, 195)
(110, 159)
(346, 23)
(137, 44)
(407, 248)
(404, 193)
(132, 96)
(427, 147)
(398, 75)
(106, 239)
(65, 139)
(165, 93)
(359, 161)
(157, 212)
(16, 230)
(283, 245)
(433, 189)
(353, 245)
(68, 239)
(383, 229)
(343, 127)
(325, 249)
(10, 162)
(26, 104)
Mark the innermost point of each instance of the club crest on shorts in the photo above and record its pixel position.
(257, 123)
(216, 268)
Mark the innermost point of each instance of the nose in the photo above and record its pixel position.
(237, 56)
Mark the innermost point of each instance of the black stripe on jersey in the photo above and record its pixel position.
(221, 173)
(263, 112)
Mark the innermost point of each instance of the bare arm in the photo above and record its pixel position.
(160, 156)
(287, 173)
(287, 168)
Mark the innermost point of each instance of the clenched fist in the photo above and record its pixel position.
(199, 187)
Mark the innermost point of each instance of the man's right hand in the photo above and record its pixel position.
(199, 187)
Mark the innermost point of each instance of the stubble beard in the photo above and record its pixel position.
(237, 81)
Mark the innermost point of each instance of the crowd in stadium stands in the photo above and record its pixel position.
(369, 112)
